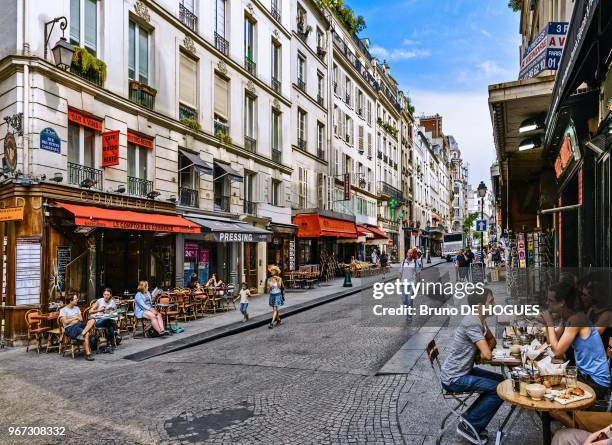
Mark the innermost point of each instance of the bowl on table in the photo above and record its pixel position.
(536, 391)
(515, 350)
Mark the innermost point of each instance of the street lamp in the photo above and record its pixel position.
(428, 242)
(62, 51)
(482, 192)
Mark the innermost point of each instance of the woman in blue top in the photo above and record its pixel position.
(578, 332)
(143, 308)
(275, 287)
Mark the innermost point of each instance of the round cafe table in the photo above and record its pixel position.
(544, 406)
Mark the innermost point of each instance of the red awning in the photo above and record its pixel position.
(363, 231)
(378, 233)
(92, 216)
(314, 226)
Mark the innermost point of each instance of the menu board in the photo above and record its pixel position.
(478, 272)
(521, 251)
(292, 255)
(4, 270)
(203, 263)
(63, 259)
(27, 271)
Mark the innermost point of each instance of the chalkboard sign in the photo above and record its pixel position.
(478, 272)
(63, 258)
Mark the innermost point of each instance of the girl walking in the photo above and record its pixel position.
(275, 287)
(245, 293)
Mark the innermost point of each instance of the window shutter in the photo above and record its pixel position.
(188, 81)
(369, 144)
(91, 24)
(221, 97)
(360, 146)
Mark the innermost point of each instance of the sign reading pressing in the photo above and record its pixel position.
(234, 237)
(110, 148)
(50, 141)
(544, 53)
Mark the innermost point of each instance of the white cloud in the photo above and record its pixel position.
(398, 53)
(408, 42)
(490, 68)
(465, 116)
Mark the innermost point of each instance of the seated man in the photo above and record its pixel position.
(106, 304)
(74, 326)
(459, 374)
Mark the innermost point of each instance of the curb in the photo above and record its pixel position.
(238, 327)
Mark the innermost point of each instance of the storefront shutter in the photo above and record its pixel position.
(188, 81)
(221, 97)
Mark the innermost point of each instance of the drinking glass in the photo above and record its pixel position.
(571, 376)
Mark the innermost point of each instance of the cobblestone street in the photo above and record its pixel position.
(310, 380)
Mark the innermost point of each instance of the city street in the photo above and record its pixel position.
(310, 380)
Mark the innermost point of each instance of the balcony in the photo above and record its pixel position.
(301, 143)
(188, 197)
(275, 10)
(321, 52)
(186, 112)
(91, 75)
(276, 155)
(81, 175)
(142, 94)
(360, 112)
(387, 190)
(301, 85)
(276, 85)
(347, 99)
(250, 65)
(221, 44)
(321, 154)
(222, 203)
(139, 187)
(189, 19)
(303, 30)
(250, 144)
(250, 207)
(221, 127)
(320, 100)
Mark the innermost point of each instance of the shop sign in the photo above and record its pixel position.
(50, 141)
(11, 214)
(292, 255)
(522, 254)
(141, 141)
(544, 53)
(237, 237)
(85, 121)
(347, 187)
(191, 251)
(568, 152)
(110, 148)
(119, 201)
(10, 152)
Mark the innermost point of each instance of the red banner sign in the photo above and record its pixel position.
(84, 120)
(110, 148)
(142, 141)
(347, 187)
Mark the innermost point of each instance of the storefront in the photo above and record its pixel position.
(318, 235)
(72, 240)
(226, 247)
(378, 241)
(281, 251)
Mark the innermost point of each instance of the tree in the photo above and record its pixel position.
(468, 223)
(515, 5)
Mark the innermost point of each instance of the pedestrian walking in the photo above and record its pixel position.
(276, 300)
(374, 257)
(244, 295)
(409, 276)
(383, 262)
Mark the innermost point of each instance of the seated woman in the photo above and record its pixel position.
(576, 331)
(213, 281)
(194, 283)
(143, 308)
(74, 326)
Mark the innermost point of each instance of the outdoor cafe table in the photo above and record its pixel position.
(544, 406)
(166, 305)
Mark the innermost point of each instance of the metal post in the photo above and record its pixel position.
(481, 232)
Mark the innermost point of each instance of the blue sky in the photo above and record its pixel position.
(444, 54)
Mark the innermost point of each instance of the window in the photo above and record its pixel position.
(303, 188)
(249, 116)
(320, 140)
(369, 145)
(336, 78)
(320, 43)
(302, 119)
(188, 81)
(360, 145)
(81, 145)
(276, 193)
(348, 128)
(220, 18)
(360, 109)
(249, 39)
(320, 87)
(276, 130)
(276, 62)
(347, 90)
(138, 63)
(221, 109)
(137, 159)
(336, 120)
(249, 190)
(301, 71)
(84, 24)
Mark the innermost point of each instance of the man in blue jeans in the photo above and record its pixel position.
(459, 374)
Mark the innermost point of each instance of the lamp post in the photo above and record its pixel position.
(482, 192)
(62, 51)
(428, 243)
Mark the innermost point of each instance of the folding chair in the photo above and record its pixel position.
(456, 402)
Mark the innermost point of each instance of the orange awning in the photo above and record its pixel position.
(378, 233)
(92, 216)
(314, 226)
(363, 231)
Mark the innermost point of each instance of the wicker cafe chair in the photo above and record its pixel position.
(35, 330)
(169, 312)
(456, 402)
(54, 333)
(185, 307)
(66, 342)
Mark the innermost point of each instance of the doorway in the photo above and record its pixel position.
(250, 264)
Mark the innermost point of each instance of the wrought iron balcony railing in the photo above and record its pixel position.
(83, 175)
(222, 203)
(188, 18)
(221, 44)
(138, 186)
(250, 207)
(276, 155)
(250, 65)
(186, 112)
(301, 143)
(275, 10)
(91, 75)
(250, 144)
(188, 197)
(142, 94)
(221, 128)
(301, 85)
(276, 85)
(320, 100)
(386, 189)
